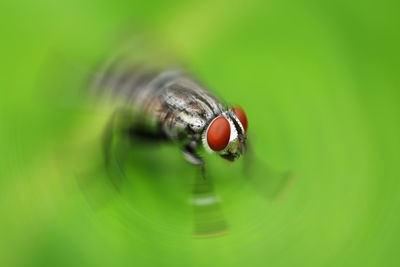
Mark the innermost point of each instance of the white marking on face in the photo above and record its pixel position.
(234, 133)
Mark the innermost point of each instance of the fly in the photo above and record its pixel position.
(169, 105)
(160, 104)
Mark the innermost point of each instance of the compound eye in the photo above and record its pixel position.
(218, 134)
(241, 116)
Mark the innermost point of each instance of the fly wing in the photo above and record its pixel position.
(130, 66)
(267, 181)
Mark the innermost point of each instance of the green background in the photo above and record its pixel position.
(319, 82)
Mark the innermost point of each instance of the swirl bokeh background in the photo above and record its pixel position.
(319, 82)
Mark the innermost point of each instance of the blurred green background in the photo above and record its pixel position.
(319, 82)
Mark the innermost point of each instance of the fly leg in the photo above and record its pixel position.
(189, 153)
(208, 217)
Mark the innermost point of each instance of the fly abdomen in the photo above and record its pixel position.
(171, 98)
(122, 80)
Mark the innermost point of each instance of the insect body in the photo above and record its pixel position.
(170, 105)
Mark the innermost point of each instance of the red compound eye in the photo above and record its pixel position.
(218, 134)
(241, 116)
